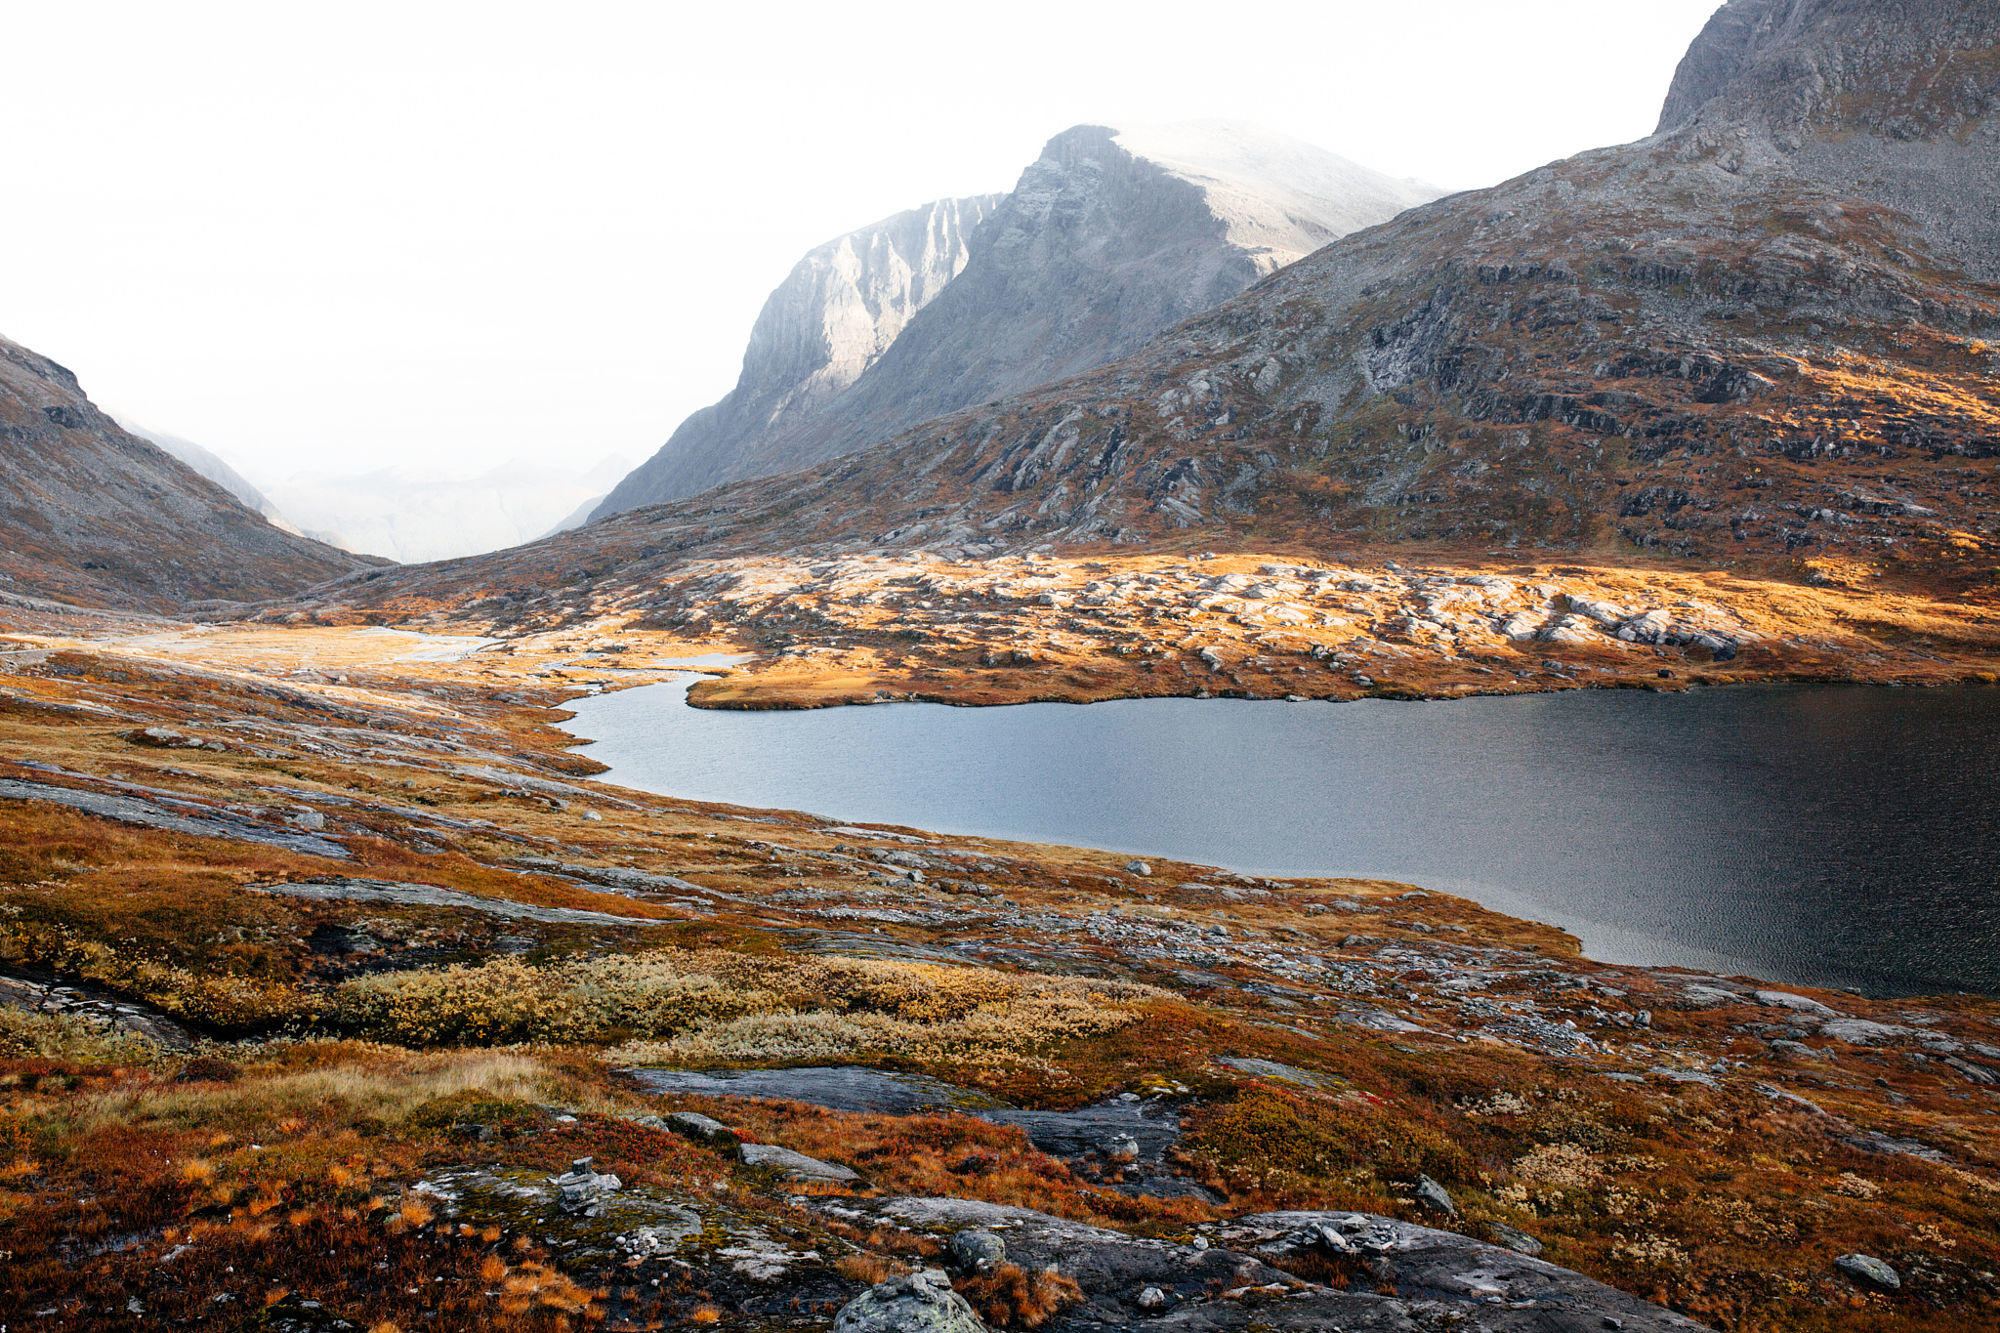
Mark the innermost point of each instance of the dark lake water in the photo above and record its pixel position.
(1838, 836)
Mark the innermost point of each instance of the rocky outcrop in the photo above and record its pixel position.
(1109, 237)
(94, 516)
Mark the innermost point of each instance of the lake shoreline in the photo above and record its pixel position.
(1600, 795)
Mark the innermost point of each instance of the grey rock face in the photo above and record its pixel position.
(833, 316)
(919, 1303)
(1108, 238)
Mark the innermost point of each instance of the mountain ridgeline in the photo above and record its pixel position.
(95, 516)
(1109, 237)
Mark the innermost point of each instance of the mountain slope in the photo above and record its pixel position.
(94, 516)
(1766, 336)
(1109, 237)
(836, 312)
(211, 465)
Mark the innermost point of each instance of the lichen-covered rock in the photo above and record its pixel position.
(975, 1250)
(919, 1303)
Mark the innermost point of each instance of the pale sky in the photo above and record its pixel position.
(348, 236)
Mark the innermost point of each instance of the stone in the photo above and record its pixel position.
(1779, 999)
(1520, 1242)
(918, 1303)
(975, 1250)
(1869, 1271)
(1152, 1300)
(796, 1165)
(582, 1189)
(1434, 1197)
(1139, 868)
(701, 1128)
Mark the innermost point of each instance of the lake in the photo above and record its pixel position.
(1824, 835)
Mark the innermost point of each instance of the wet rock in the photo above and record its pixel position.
(796, 1165)
(1869, 1271)
(919, 1303)
(582, 1189)
(975, 1250)
(701, 1128)
(1435, 1197)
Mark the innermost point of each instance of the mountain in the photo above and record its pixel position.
(1767, 335)
(216, 470)
(412, 516)
(1110, 236)
(93, 515)
(831, 318)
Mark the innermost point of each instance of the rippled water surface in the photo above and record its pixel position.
(1827, 835)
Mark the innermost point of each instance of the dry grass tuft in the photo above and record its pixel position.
(1010, 1297)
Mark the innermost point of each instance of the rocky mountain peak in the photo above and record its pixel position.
(1110, 236)
(1904, 69)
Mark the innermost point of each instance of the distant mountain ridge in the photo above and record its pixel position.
(1108, 237)
(92, 515)
(411, 516)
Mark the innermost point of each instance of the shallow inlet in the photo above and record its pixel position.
(1825, 835)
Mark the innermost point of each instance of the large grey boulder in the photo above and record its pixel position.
(796, 1165)
(919, 1303)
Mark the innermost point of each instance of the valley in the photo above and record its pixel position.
(275, 896)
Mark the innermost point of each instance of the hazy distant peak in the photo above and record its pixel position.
(1280, 198)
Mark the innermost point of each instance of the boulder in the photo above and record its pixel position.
(1434, 1197)
(919, 1303)
(975, 1250)
(701, 1128)
(1869, 1271)
(796, 1165)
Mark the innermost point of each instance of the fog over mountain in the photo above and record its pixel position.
(412, 515)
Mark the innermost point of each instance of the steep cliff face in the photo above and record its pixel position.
(95, 516)
(833, 316)
(1109, 237)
